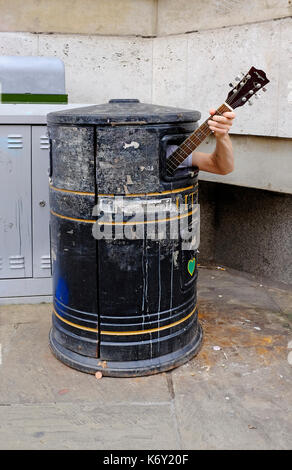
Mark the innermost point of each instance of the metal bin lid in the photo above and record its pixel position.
(121, 112)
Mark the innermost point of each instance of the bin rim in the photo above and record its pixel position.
(123, 112)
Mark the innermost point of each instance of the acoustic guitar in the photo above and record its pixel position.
(248, 86)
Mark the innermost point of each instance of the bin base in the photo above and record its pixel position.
(155, 365)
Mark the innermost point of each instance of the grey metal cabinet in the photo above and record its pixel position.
(25, 265)
(40, 202)
(15, 197)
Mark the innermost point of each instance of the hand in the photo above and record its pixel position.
(220, 125)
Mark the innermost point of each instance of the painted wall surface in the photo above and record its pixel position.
(103, 17)
(135, 17)
(181, 16)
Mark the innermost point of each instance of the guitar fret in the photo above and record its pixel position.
(191, 143)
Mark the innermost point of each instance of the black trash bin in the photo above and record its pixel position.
(122, 305)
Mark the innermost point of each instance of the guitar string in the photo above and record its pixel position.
(185, 143)
(204, 134)
(201, 132)
(181, 154)
(177, 158)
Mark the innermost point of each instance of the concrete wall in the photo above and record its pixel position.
(189, 70)
(102, 17)
(195, 69)
(260, 162)
(186, 70)
(247, 229)
(173, 68)
(181, 16)
(135, 17)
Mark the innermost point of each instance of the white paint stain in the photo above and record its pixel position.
(53, 253)
(171, 276)
(133, 144)
(175, 258)
(159, 296)
(129, 179)
(105, 165)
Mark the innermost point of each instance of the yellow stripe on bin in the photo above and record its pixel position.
(87, 221)
(151, 330)
(84, 193)
(91, 221)
(177, 217)
(126, 333)
(80, 327)
(172, 191)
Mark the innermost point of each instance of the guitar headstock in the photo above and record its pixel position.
(248, 85)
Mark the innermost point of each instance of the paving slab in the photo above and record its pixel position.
(235, 394)
(31, 374)
(229, 412)
(283, 298)
(87, 426)
(219, 276)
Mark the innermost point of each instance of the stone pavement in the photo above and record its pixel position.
(236, 394)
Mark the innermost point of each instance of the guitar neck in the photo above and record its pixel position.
(192, 142)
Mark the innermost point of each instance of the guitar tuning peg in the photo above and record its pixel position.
(231, 85)
(264, 89)
(237, 78)
(243, 74)
(250, 103)
(256, 96)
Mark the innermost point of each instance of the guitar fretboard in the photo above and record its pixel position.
(192, 142)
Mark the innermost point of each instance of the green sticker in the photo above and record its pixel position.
(191, 266)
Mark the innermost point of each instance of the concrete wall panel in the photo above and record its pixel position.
(200, 78)
(103, 17)
(180, 16)
(99, 68)
(18, 44)
(253, 231)
(170, 71)
(260, 162)
(284, 99)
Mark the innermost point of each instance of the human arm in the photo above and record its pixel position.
(221, 160)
